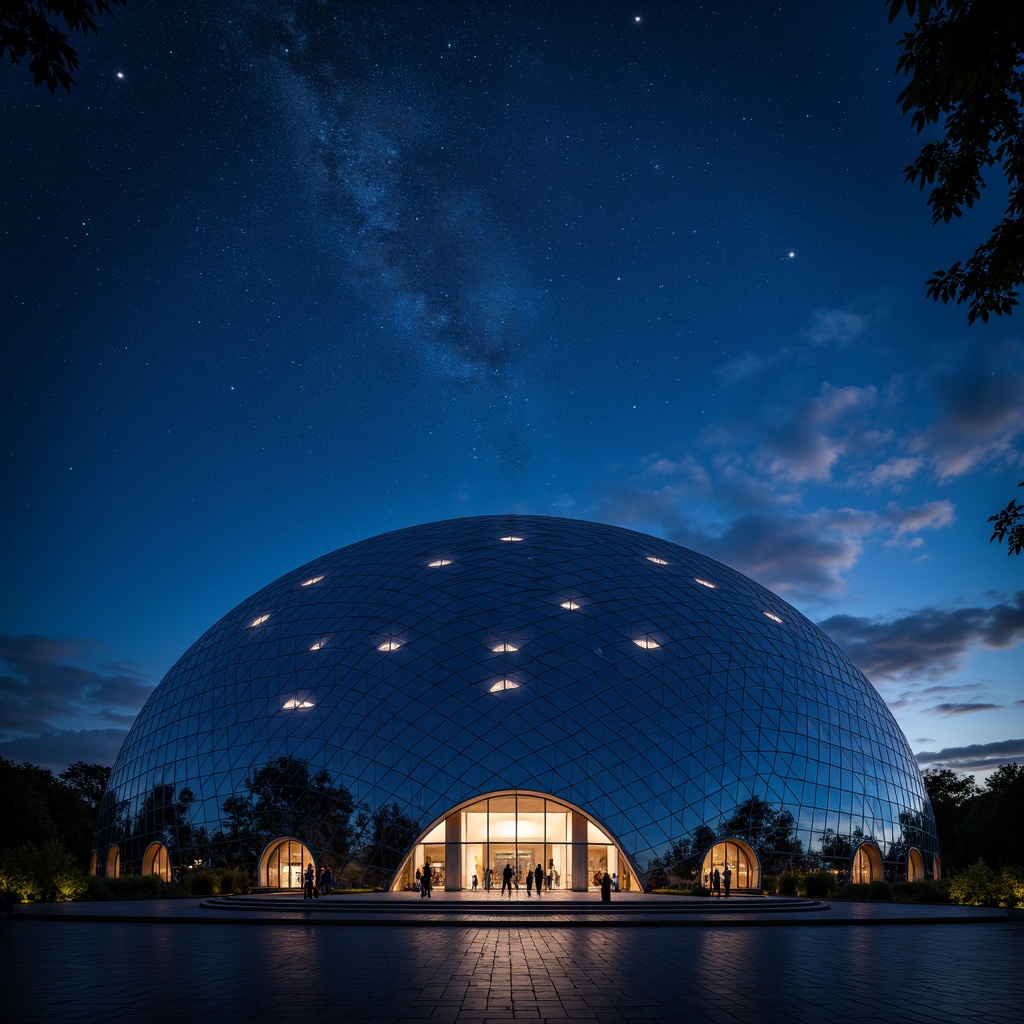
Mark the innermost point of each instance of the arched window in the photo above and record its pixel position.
(915, 865)
(867, 864)
(157, 861)
(282, 864)
(741, 860)
(113, 867)
(937, 867)
(93, 863)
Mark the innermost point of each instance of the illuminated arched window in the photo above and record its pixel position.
(113, 867)
(93, 863)
(915, 865)
(937, 867)
(867, 864)
(157, 861)
(741, 860)
(282, 863)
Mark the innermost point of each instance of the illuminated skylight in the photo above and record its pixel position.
(504, 684)
(319, 644)
(569, 606)
(656, 561)
(511, 539)
(389, 645)
(260, 619)
(774, 617)
(437, 564)
(647, 644)
(296, 705)
(504, 648)
(705, 583)
(311, 581)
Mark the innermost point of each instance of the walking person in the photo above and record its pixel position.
(538, 875)
(506, 881)
(529, 883)
(727, 879)
(606, 888)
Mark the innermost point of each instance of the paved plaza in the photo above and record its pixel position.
(126, 972)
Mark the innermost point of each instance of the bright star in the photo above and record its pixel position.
(120, 75)
(792, 255)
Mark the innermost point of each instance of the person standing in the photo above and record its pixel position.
(606, 888)
(716, 882)
(538, 876)
(727, 879)
(615, 881)
(310, 881)
(529, 883)
(506, 880)
(426, 882)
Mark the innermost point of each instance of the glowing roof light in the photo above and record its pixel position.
(774, 617)
(504, 648)
(512, 539)
(311, 581)
(705, 583)
(389, 645)
(296, 705)
(656, 561)
(504, 684)
(569, 606)
(319, 644)
(647, 644)
(438, 563)
(260, 619)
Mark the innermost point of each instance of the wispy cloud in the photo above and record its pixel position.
(61, 694)
(977, 757)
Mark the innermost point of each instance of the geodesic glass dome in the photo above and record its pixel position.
(516, 689)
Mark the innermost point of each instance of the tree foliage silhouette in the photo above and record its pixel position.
(39, 30)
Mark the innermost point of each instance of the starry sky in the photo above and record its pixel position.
(280, 276)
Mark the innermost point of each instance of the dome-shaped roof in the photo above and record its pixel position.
(653, 687)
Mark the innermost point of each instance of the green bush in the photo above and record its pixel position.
(47, 874)
(975, 886)
(787, 884)
(127, 887)
(1011, 887)
(924, 891)
(853, 891)
(201, 883)
(819, 885)
(235, 881)
(879, 891)
(770, 885)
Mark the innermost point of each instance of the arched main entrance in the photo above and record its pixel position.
(113, 867)
(282, 863)
(157, 861)
(867, 864)
(741, 860)
(518, 828)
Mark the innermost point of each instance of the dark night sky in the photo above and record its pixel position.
(279, 277)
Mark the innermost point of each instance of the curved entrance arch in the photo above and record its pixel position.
(741, 860)
(113, 862)
(915, 865)
(867, 864)
(521, 828)
(157, 861)
(282, 863)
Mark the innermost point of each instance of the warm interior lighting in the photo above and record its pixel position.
(656, 561)
(439, 563)
(569, 606)
(311, 581)
(260, 619)
(512, 540)
(504, 684)
(705, 583)
(774, 617)
(389, 645)
(504, 648)
(296, 705)
(646, 644)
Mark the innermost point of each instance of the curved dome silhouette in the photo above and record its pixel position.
(497, 687)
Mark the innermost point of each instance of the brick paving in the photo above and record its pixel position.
(126, 973)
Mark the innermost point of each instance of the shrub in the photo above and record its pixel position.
(201, 883)
(976, 886)
(879, 891)
(770, 884)
(819, 884)
(924, 891)
(787, 884)
(47, 874)
(1011, 887)
(127, 887)
(854, 891)
(234, 881)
